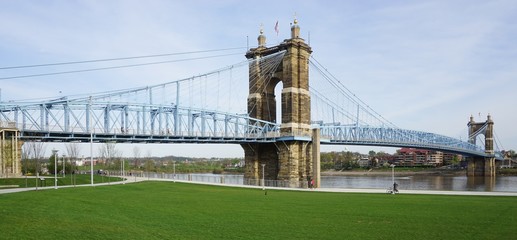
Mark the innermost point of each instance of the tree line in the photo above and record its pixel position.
(110, 158)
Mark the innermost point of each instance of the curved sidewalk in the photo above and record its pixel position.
(15, 190)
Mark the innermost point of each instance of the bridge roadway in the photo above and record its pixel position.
(336, 190)
(341, 135)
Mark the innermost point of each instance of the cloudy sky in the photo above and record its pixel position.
(424, 65)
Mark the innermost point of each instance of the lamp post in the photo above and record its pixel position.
(91, 157)
(123, 172)
(54, 152)
(72, 165)
(63, 159)
(263, 182)
(174, 171)
(91, 138)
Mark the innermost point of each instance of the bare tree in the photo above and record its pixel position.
(26, 156)
(38, 149)
(109, 152)
(136, 155)
(35, 151)
(117, 161)
(73, 152)
(101, 152)
(149, 163)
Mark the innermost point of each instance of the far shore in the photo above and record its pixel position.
(382, 172)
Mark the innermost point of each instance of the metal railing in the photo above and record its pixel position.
(227, 179)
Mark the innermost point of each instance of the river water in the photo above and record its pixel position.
(415, 182)
(424, 182)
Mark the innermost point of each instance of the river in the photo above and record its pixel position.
(414, 182)
(424, 182)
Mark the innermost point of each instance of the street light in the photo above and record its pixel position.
(64, 165)
(89, 123)
(72, 165)
(54, 152)
(174, 171)
(263, 182)
(123, 172)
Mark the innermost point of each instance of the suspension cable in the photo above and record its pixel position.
(115, 67)
(498, 144)
(118, 59)
(343, 87)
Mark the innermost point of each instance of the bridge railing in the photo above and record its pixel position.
(55, 134)
(214, 178)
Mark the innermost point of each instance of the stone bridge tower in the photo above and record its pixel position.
(482, 166)
(289, 160)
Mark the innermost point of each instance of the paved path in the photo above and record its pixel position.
(14, 190)
(343, 190)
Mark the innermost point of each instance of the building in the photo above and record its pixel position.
(422, 157)
(418, 157)
(364, 162)
(85, 162)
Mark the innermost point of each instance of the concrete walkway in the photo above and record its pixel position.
(15, 190)
(342, 190)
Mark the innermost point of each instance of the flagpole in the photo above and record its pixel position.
(91, 157)
(277, 30)
(91, 141)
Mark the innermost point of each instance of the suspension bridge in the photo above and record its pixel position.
(237, 104)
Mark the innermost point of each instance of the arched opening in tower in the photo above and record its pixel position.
(278, 94)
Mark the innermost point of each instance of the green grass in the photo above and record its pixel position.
(166, 210)
(61, 181)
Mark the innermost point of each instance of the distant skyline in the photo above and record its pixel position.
(423, 65)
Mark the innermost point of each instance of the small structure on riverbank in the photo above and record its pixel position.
(10, 150)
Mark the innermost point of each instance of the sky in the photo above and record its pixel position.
(423, 65)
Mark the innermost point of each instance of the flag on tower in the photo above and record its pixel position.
(276, 27)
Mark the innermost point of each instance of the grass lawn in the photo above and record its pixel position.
(166, 210)
(49, 180)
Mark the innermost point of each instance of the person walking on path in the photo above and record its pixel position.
(395, 187)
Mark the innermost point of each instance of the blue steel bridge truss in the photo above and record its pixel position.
(83, 120)
(396, 137)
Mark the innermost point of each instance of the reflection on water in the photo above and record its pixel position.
(420, 182)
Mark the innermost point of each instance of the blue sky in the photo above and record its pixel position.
(424, 65)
